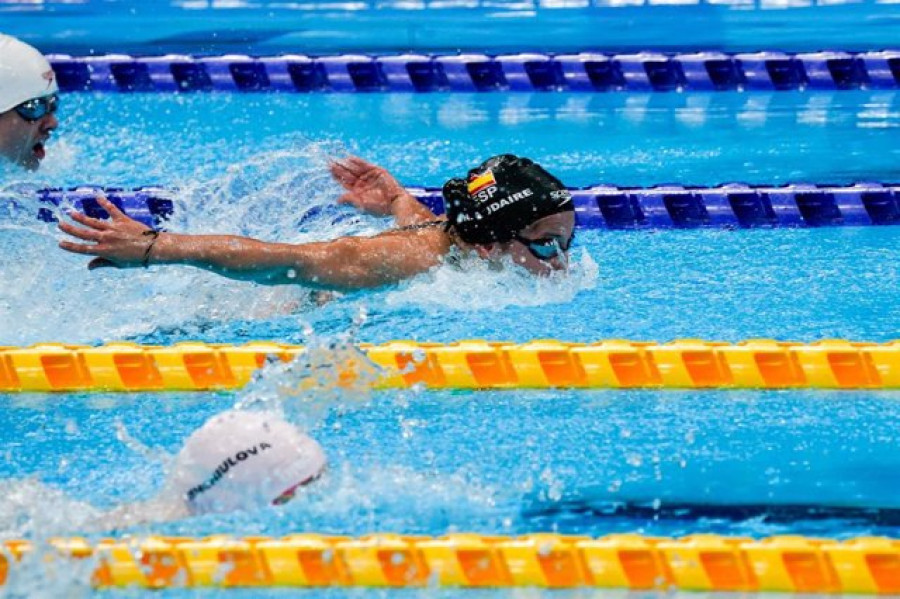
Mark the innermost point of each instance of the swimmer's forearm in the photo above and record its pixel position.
(241, 258)
(407, 210)
(345, 263)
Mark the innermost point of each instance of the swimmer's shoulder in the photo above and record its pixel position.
(432, 234)
(438, 223)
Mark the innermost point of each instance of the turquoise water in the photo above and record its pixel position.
(508, 462)
(500, 462)
(625, 139)
(329, 26)
(797, 284)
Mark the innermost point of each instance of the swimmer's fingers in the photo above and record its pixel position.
(358, 165)
(350, 169)
(365, 172)
(94, 223)
(341, 172)
(114, 212)
(80, 232)
(78, 248)
(90, 250)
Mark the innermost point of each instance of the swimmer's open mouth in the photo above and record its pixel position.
(38, 151)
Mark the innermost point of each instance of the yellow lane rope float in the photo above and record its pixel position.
(696, 563)
(686, 363)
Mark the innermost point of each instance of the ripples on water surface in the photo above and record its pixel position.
(623, 138)
(434, 462)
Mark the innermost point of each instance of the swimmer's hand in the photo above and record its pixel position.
(375, 191)
(370, 188)
(119, 242)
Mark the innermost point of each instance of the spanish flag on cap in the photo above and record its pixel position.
(479, 182)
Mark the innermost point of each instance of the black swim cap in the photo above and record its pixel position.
(501, 197)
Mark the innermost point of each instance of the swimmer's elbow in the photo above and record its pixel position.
(334, 265)
(353, 263)
(365, 263)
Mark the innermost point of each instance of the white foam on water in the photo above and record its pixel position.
(30, 508)
(36, 511)
(331, 373)
(45, 574)
(379, 496)
(479, 286)
(280, 196)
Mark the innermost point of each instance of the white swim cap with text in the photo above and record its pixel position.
(24, 74)
(239, 460)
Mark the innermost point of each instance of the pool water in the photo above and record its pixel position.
(802, 284)
(265, 27)
(489, 462)
(439, 461)
(620, 138)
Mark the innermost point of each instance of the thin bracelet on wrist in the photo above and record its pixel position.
(155, 235)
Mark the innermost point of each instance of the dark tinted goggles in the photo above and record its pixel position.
(546, 248)
(37, 108)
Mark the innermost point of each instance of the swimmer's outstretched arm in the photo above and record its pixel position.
(344, 263)
(375, 191)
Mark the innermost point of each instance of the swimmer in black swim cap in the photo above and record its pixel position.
(507, 207)
(512, 204)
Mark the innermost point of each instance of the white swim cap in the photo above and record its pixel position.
(24, 73)
(239, 460)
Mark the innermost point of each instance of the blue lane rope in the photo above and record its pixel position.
(734, 205)
(586, 71)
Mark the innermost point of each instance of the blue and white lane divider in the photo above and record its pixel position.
(733, 205)
(586, 71)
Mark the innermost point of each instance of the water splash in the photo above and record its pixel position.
(150, 454)
(29, 509)
(479, 285)
(33, 510)
(376, 496)
(280, 194)
(45, 573)
(331, 373)
(252, 198)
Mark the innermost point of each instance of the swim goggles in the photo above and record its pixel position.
(37, 108)
(291, 492)
(546, 248)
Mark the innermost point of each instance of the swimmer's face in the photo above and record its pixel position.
(21, 141)
(542, 247)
